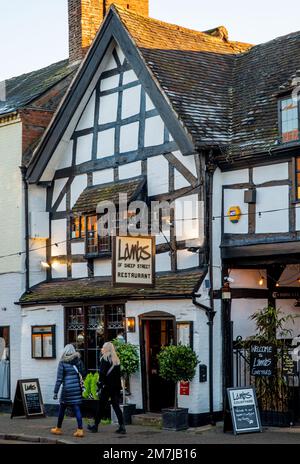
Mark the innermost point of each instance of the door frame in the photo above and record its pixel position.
(153, 315)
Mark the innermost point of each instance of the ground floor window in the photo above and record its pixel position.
(4, 363)
(89, 326)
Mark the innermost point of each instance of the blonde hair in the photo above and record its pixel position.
(109, 354)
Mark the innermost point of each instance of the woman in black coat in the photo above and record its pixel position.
(69, 368)
(109, 386)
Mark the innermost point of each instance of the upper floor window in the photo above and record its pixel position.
(78, 227)
(298, 178)
(289, 119)
(95, 242)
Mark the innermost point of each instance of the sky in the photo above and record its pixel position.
(34, 33)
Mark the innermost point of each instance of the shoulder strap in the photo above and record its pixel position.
(76, 369)
(109, 370)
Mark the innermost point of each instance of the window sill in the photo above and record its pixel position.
(104, 254)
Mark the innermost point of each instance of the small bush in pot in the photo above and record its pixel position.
(176, 363)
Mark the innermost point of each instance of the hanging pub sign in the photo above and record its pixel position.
(262, 359)
(244, 410)
(28, 399)
(134, 261)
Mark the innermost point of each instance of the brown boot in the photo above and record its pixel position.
(56, 431)
(78, 433)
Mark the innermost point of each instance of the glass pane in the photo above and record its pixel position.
(92, 237)
(75, 227)
(47, 346)
(298, 178)
(4, 363)
(82, 227)
(37, 346)
(289, 120)
(298, 193)
(298, 164)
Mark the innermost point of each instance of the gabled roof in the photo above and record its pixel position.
(22, 90)
(91, 196)
(172, 285)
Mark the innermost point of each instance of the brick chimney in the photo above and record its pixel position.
(85, 18)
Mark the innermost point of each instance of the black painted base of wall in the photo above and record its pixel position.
(5, 407)
(198, 420)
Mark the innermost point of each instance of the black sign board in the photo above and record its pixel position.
(28, 399)
(262, 359)
(244, 410)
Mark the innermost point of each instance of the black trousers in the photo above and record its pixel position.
(114, 396)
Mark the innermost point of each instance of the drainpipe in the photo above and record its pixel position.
(25, 184)
(210, 313)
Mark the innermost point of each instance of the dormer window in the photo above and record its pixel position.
(289, 110)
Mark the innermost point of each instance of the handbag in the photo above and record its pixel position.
(81, 382)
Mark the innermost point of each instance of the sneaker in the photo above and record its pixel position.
(56, 431)
(121, 429)
(79, 433)
(92, 428)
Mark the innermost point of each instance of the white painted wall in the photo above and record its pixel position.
(179, 180)
(154, 131)
(108, 108)
(235, 197)
(129, 170)
(58, 186)
(162, 262)
(187, 161)
(186, 259)
(248, 278)
(131, 102)
(102, 267)
(270, 173)
(58, 234)
(106, 143)
(78, 185)
(129, 136)
(84, 148)
(240, 176)
(44, 370)
(241, 310)
(79, 270)
(103, 177)
(87, 119)
(158, 175)
(270, 198)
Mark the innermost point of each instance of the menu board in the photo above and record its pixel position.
(28, 399)
(244, 410)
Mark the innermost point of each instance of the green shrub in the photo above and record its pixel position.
(91, 388)
(129, 361)
(177, 363)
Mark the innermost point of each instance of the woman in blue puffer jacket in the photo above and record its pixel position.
(68, 371)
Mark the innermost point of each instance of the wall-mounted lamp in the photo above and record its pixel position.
(226, 292)
(45, 265)
(130, 324)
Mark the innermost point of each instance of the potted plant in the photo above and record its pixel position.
(176, 363)
(129, 360)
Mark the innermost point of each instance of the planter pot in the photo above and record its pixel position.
(89, 409)
(175, 419)
(128, 411)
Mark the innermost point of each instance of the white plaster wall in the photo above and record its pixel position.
(154, 131)
(297, 209)
(235, 177)
(120, 53)
(131, 102)
(187, 215)
(241, 310)
(11, 196)
(78, 185)
(108, 108)
(162, 262)
(87, 118)
(102, 177)
(186, 259)
(44, 370)
(149, 103)
(130, 170)
(287, 307)
(79, 270)
(179, 180)
(129, 136)
(102, 267)
(66, 156)
(37, 255)
(129, 76)
(59, 270)
(58, 186)
(84, 148)
(270, 198)
(106, 143)
(36, 198)
(248, 278)
(270, 173)
(158, 175)
(109, 83)
(77, 248)
(216, 225)
(235, 197)
(187, 161)
(11, 288)
(58, 234)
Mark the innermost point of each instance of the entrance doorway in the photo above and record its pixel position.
(155, 333)
(4, 364)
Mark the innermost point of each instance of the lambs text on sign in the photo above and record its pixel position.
(244, 410)
(262, 360)
(133, 261)
(28, 399)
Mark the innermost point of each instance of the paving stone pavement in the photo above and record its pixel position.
(38, 431)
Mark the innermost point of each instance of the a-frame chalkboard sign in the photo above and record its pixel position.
(28, 399)
(244, 410)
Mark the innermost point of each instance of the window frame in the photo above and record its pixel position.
(82, 219)
(286, 97)
(98, 253)
(51, 332)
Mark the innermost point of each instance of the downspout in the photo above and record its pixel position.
(210, 312)
(25, 184)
